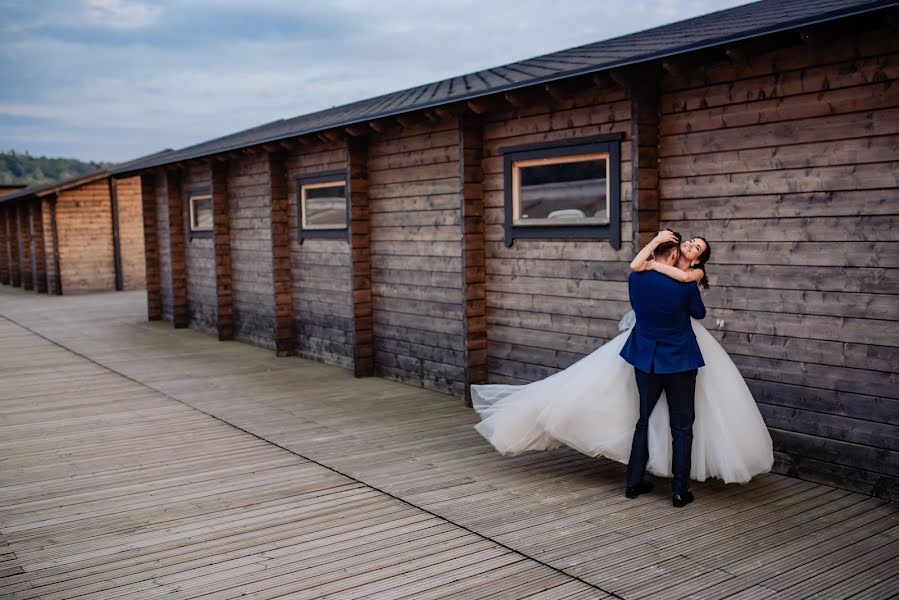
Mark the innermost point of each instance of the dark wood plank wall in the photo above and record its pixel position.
(322, 285)
(788, 165)
(131, 232)
(4, 247)
(251, 249)
(416, 256)
(39, 248)
(25, 245)
(84, 225)
(165, 255)
(49, 245)
(12, 232)
(550, 302)
(201, 296)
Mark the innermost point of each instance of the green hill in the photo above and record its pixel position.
(41, 170)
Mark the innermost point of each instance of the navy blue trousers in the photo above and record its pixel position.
(679, 389)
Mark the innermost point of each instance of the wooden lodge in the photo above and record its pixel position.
(446, 234)
(80, 235)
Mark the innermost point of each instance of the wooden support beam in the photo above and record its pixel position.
(328, 137)
(474, 267)
(604, 80)
(51, 244)
(487, 104)
(15, 265)
(360, 252)
(645, 111)
(4, 247)
(153, 271)
(282, 273)
(358, 129)
(638, 80)
(445, 113)
(410, 119)
(525, 96)
(116, 241)
(177, 249)
(24, 216)
(40, 249)
(566, 88)
(379, 126)
(743, 51)
(221, 223)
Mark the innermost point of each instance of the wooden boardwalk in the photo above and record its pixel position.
(141, 461)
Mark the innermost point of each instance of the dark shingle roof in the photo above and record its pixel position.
(55, 187)
(742, 22)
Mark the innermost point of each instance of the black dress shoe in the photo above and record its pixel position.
(682, 499)
(641, 488)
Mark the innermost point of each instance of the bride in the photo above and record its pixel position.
(592, 406)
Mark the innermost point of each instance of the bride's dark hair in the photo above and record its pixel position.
(700, 264)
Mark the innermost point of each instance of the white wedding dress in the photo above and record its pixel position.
(593, 406)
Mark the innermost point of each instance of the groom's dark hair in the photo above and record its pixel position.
(666, 248)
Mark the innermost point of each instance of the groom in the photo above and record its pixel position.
(665, 355)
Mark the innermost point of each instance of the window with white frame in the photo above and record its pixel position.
(322, 205)
(567, 189)
(200, 212)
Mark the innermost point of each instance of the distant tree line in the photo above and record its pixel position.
(22, 168)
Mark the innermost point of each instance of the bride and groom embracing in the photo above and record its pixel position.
(662, 396)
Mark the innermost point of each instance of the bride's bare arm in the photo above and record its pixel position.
(641, 261)
(675, 273)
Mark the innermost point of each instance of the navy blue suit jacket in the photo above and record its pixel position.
(662, 341)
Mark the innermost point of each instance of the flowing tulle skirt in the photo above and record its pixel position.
(593, 406)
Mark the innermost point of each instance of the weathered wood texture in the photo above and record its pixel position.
(471, 142)
(645, 160)
(154, 499)
(787, 165)
(131, 233)
(12, 235)
(4, 247)
(251, 250)
(360, 250)
(416, 255)
(165, 257)
(152, 245)
(200, 255)
(26, 242)
(221, 211)
(39, 248)
(177, 247)
(321, 270)
(51, 252)
(549, 302)
(84, 225)
(282, 272)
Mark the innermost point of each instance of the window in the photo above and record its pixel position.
(563, 190)
(322, 206)
(200, 206)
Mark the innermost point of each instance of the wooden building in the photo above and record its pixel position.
(80, 235)
(447, 234)
(8, 188)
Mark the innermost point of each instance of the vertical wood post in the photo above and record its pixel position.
(116, 241)
(471, 142)
(645, 161)
(282, 275)
(51, 244)
(25, 238)
(40, 249)
(57, 284)
(151, 246)
(15, 267)
(360, 251)
(221, 218)
(177, 251)
(4, 247)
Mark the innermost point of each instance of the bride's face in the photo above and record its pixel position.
(692, 249)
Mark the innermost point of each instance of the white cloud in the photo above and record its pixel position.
(123, 14)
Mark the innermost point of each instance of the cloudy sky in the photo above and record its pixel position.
(116, 79)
